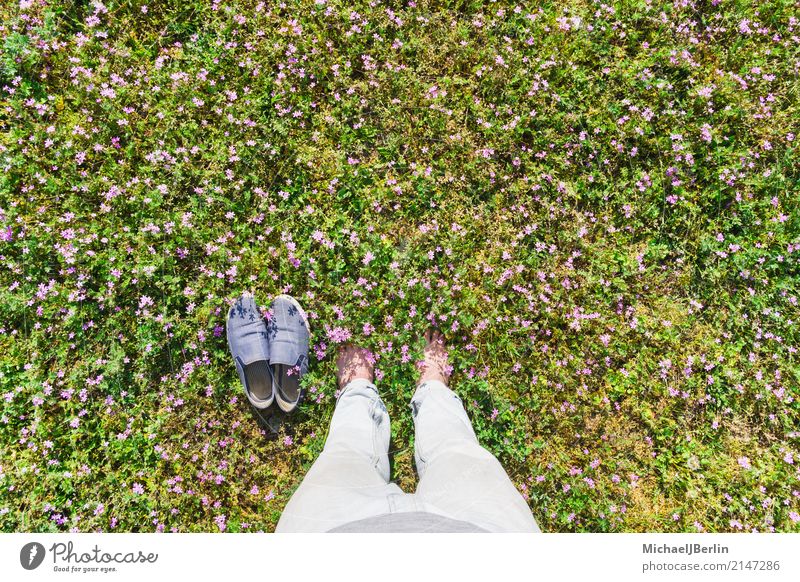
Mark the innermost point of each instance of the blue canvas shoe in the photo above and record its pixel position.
(289, 333)
(247, 341)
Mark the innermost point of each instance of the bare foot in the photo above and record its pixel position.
(353, 363)
(434, 364)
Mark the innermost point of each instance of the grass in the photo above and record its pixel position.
(597, 203)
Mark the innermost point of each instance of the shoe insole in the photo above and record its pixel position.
(258, 379)
(289, 384)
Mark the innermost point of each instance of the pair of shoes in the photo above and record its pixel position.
(271, 356)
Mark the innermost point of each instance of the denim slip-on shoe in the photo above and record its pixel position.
(289, 333)
(247, 341)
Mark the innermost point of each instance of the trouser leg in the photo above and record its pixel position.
(457, 475)
(349, 480)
